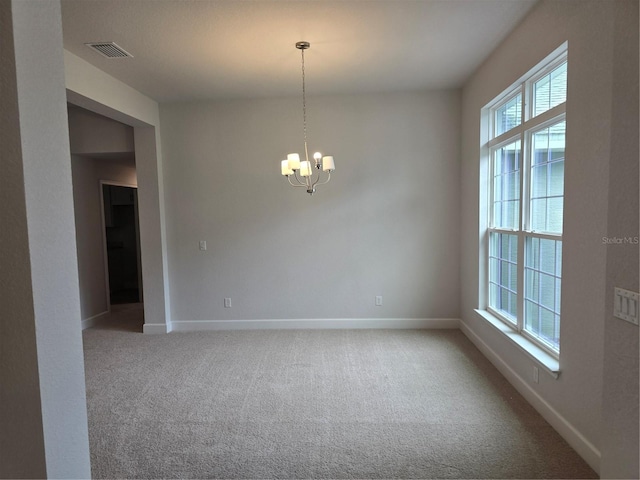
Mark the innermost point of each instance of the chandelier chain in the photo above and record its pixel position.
(304, 109)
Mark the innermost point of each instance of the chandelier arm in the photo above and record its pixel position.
(317, 180)
(326, 181)
(304, 183)
(298, 183)
(294, 184)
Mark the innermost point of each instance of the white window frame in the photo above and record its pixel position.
(523, 133)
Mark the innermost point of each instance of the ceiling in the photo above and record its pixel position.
(188, 50)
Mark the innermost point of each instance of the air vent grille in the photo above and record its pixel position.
(109, 50)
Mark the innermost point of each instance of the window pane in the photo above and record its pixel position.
(532, 315)
(547, 256)
(533, 253)
(550, 90)
(539, 181)
(554, 214)
(510, 213)
(506, 186)
(503, 277)
(493, 294)
(541, 148)
(511, 185)
(497, 213)
(532, 280)
(513, 249)
(556, 177)
(509, 115)
(542, 288)
(547, 179)
(547, 291)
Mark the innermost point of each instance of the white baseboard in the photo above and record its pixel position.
(92, 321)
(156, 328)
(578, 442)
(323, 323)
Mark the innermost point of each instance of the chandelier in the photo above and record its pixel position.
(301, 173)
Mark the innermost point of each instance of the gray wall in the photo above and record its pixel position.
(90, 133)
(87, 174)
(387, 223)
(576, 397)
(43, 419)
(21, 435)
(620, 419)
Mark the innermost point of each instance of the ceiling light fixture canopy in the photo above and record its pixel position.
(302, 171)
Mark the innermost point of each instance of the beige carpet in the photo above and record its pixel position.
(308, 404)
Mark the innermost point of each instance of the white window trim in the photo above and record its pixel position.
(550, 363)
(545, 356)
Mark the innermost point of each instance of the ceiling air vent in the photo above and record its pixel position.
(109, 50)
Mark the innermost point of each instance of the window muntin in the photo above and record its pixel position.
(526, 187)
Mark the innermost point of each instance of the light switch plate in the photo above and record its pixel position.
(625, 305)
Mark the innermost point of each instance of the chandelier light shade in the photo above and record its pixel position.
(304, 173)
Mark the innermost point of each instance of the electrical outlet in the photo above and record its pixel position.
(536, 374)
(227, 303)
(203, 244)
(378, 300)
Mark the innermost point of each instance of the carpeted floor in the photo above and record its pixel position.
(308, 404)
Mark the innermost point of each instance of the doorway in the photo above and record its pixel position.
(122, 243)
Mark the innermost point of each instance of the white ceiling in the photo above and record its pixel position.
(210, 49)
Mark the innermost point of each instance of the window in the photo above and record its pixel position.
(525, 153)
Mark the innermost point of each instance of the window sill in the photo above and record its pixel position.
(546, 361)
